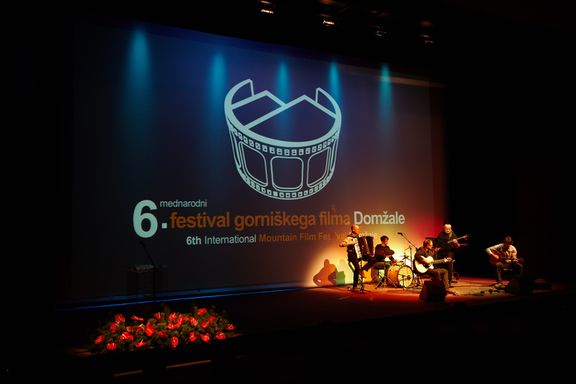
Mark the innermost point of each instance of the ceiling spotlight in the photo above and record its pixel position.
(426, 32)
(426, 24)
(380, 32)
(426, 38)
(266, 7)
(327, 20)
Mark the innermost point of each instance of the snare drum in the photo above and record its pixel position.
(408, 261)
(404, 259)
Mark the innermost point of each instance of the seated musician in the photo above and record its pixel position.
(424, 264)
(505, 256)
(383, 257)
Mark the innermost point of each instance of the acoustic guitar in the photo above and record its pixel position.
(422, 268)
(501, 257)
(465, 237)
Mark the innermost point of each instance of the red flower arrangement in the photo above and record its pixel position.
(163, 330)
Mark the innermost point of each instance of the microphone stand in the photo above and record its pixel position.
(154, 269)
(410, 248)
(409, 242)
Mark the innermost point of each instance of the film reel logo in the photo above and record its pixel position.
(285, 151)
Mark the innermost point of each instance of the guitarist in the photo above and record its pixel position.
(505, 256)
(447, 243)
(425, 256)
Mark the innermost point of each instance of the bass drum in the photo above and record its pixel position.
(400, 275)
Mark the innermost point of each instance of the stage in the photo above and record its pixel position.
(302, 332)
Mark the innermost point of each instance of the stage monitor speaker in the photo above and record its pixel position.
(541, 284)
(433, 291)
(519, 286)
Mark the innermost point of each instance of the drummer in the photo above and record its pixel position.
(383, 255)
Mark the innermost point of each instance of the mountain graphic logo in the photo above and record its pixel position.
(283, 150)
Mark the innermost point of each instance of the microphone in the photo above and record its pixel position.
(148, 255)
(400, 233)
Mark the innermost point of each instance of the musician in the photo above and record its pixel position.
(382, 254)
(425, 257)
(505, 256)
(446, 244)
(351, 242)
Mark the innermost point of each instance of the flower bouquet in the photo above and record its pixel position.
(165, 329)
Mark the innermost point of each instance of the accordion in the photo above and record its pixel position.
(365, 247)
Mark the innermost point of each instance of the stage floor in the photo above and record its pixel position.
(301, 332)
(276, 311)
